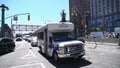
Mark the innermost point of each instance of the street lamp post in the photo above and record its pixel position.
(3, 19)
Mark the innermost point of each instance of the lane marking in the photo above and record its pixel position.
(43, 66)
(19, 46)
(30, 54)
(26, 65)
(101, 53)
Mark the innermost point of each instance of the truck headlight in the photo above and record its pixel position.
(61, 50)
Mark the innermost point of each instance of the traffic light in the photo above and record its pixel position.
(28, 17)
(104, 22)
(82, 22)
(15, 18)
(73, 11)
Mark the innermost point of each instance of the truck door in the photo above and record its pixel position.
(45, 36)
(50, 46)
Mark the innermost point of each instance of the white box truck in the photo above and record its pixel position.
(57, 40)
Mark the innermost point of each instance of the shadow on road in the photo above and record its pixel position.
(69, 63)
(4, 53)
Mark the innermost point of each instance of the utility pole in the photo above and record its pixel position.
(3, 19)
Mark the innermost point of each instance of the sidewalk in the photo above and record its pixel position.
(101, 43)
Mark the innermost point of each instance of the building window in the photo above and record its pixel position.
(115, 17)
(109, 25)
(93, 21)
(99, 20)
(119, 16)
(110, 18)
(107, 18)
(118, 24)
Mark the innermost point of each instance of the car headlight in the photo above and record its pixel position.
(61, 50)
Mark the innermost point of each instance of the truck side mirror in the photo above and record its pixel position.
(50, 40)
(82, 40)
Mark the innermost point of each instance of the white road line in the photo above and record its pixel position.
(19, 46)
(29, 54)
(101, 53)
(32, 53)
(26, 65)
(43, 66)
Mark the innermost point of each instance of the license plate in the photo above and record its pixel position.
(75, 56)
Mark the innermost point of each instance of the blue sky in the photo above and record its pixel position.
(40, 11)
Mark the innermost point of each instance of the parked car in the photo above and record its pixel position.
(18, 39)
(34, 41)
(29, 39)
(6, 45)
(26, 37)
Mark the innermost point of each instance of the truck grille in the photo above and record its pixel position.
(74, 49)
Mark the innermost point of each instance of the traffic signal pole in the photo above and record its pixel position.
(19, 15)
(2, 33)
(15, 18)
(16, 15)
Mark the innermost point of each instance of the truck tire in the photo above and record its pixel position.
(40, 50)
(55, 56)
(81, 56)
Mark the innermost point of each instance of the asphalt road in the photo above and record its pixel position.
(25, 56)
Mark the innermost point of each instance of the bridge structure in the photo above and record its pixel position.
(24, 29)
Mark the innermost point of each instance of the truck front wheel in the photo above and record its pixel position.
(55, 56)
(40, 49)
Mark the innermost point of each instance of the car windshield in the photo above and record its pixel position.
(63, 36)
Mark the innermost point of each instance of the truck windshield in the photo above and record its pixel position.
(63, 36)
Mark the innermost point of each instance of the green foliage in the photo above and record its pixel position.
(98, 29)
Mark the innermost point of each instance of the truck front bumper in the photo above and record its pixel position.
(71, 55)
